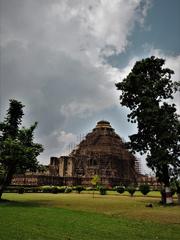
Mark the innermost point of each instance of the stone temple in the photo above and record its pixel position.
(101, 153)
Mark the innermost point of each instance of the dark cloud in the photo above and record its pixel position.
(52, 59)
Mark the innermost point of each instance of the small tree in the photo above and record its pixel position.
(102, 190)
(145, 92)
(131, 190)
(79, 188)
(18, 152)
(95, 181)
(120, 189)
(144, 189)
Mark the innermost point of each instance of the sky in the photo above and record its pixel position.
(62, 58)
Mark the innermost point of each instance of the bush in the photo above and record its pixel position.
(90, 188)
(131, 190)
(79, 188)
(62, 189)
(54, 190)
(178, 190)
(119, 189)
(102, 190)
(173, 187)
(21, 190)
(36, 189)
(173, 190)
(144, 189)
(68, 190)
(46, 189)
(11, 189)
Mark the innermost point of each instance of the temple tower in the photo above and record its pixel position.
(102, 153)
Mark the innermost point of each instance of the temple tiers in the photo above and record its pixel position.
(102, 153)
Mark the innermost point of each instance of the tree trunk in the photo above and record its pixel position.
(169, 199)
(168, 193)
(163, 197)
(178, 196)
(7, 180)
(1, 192)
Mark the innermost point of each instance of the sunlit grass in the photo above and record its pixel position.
(21, 222)
(112, 205)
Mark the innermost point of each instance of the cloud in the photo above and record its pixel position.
(172, 62)
(52, 58)
(66, 140)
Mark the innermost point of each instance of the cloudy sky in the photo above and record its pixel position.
(61, 58)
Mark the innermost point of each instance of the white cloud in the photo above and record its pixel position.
(52, 57)
(64, 137)
(66, 141)
(172, 62)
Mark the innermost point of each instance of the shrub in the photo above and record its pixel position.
(90, 188)
(36, 189)
(178, 190)
(21, 190)
(131, 190)
(68, 190)
(119, 189)
(12, 189)
(102, 190)
(54, 190)
(79, 188)
(46, 189)
(173, 190)
(62, 189)
(144, 189)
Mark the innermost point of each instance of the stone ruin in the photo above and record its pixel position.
(101, 153)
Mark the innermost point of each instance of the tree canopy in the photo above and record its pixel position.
(146, 91)
(18, 152)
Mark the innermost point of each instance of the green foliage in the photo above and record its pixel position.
(41, 189)
(95, 180)
(131, 190)
(102, 190)
(35, 189)
(119, 189)
(145, 92)
(62, 189)
(18, 152)
(54, 190)
(90, 189)
(68, 190)
(21, 190)
(46, 189)
(2, 172)
(79, 188)
(178, 187)
(175, 187)
(144, 189)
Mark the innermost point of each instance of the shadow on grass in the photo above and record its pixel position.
(11, 203)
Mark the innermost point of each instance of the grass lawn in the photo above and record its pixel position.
(78, 216)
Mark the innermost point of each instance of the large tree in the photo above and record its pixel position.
(146, 91)
(18, 152)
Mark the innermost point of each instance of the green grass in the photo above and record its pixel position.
(79, 216)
